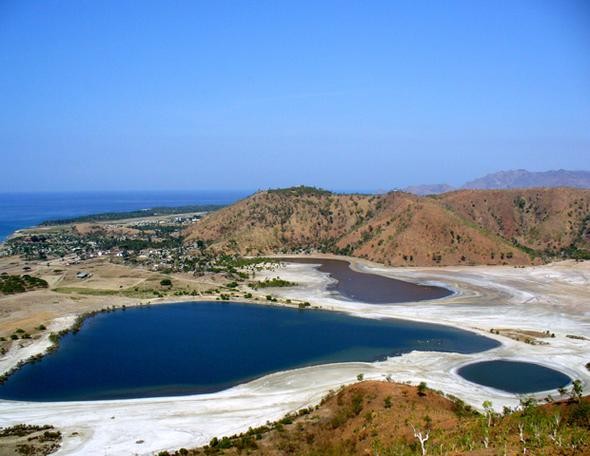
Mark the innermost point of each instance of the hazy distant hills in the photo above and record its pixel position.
(434, 189)
(461, 227)
(522, 178)
(519, 178)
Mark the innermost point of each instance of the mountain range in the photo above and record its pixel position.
(518, 178)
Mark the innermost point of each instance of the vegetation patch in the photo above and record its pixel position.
(25, 439)
(276, 282)
(12, 284)
(301, 190)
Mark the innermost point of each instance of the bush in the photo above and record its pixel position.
(422, 388)
(357, 403)
(166, 282)
(580, 415)
(387, 402)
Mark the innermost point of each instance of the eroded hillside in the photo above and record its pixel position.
(464, 227)
(547, 220)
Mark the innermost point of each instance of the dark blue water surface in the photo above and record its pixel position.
(190, 348)
(22, 210)
(514, 376)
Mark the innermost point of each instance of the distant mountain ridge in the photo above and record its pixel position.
(513, 179)
(521, 178)
(433, 189)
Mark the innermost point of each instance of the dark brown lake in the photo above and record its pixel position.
(370, 288)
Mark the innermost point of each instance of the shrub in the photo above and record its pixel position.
(422, 387)
(387, 402)
(581, 414)
(357, 403)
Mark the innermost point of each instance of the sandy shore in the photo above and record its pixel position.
(554, 297)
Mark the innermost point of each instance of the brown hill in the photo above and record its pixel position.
(408, 230)
(544, 219)
(383, 418)
(462, 227)
(283, 220)
(396, 228)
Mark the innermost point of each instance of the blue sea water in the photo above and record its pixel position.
(22, 210)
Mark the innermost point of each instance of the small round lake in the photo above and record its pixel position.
(189, 348)
(514, 376)
(370, 288)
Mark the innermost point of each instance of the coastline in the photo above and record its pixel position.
(193, 420)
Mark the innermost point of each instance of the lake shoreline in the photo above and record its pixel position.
(197, 325)
(195, 419)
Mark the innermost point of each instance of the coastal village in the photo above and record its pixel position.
(154, 243)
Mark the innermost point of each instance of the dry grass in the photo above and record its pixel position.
(464, 227)
(379, 418)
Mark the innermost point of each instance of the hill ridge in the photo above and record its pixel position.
(516, 227)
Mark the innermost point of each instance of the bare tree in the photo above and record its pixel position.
(489, 414)
(522, 437)
(486, 438)
(554, 434)
(422, 438)
(489, 411)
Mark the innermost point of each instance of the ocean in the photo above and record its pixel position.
(22, 210)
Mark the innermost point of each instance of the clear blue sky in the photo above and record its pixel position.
(242, 95)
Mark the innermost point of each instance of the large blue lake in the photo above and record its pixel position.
(22, 210)
(188, 348)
